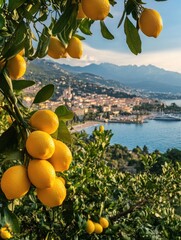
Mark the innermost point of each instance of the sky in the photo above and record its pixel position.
(163, 51)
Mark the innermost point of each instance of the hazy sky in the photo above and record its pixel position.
(164, 51)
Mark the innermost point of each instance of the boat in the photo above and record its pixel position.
(167, 117)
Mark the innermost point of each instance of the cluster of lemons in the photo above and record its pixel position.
(48, 157)
(95, 227)
(57, 50)
(95, 10)
(16, 66)
(5, 232)
(149, 22)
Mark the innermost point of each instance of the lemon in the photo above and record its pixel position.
(96, 9)
(80, 13)
(62, 156)
(16, 67)
(104, 222)
(62, 179)
(150, 22)
(90, 227)
(101, 128)
(98, 228)
(45, 173)
(45, 120)
(74, 48)
(5, 234)
(40, 145)
(53, 196)
(22, 52)
(15, 182)
(56, 49)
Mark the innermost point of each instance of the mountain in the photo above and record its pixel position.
(149, 78)
(45, 72)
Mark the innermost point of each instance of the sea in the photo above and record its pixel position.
(156, 135)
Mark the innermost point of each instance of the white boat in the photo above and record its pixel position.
(167, 117)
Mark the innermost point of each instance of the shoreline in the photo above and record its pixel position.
(82, 126)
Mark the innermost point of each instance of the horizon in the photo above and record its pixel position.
(99, 63)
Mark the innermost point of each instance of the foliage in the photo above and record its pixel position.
(139, 206)
(24, 24)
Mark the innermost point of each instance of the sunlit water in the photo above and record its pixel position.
(161, 135)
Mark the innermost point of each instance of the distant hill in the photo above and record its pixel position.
(149, 78)
(44, 72)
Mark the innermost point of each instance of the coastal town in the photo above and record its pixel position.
(100, 107)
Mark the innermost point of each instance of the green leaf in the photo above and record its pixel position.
(43, 43)
(2, 21)
(132, 37)
(35, 8)
(122, 18)
(44, 93)
(8, 139)
(6, 83)
(130, 6)
(1, 3)
(63, 133)
(64, 114)
(16, 43)
(79, 37)
(11, 219)
(105, 32)
(85, 26)
(21, 84)
(67, 20)
(29, 49)
(15, 4)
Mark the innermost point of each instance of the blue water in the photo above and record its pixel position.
(161, 135)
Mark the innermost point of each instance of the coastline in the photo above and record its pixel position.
(82, 126)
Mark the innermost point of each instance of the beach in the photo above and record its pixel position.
(82, 126)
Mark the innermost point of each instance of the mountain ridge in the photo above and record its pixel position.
(149, 78)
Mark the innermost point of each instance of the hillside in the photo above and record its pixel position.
(45, 72)
(149, 78)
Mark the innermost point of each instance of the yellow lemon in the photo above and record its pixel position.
(80, 13)
(98, 228)
(16, 67)
(101, 128)
(150, 22)
(40, 145)
(74, 48)
(45, 120)
(41, 173)
(62, 156)
(104, 222)
(56, 49)
(96, 9)
(22, 52)
(15, 182)
(5, 234)
(90, 227)
(53, 196)
(62, 179)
